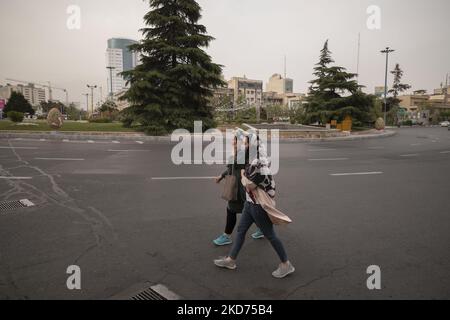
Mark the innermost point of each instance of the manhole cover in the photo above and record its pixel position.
(7, 206)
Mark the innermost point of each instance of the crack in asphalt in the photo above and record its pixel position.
(305, 285)
(101, 228)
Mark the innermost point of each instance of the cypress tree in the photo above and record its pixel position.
(18, 103)
(172, 87)
(335, 94)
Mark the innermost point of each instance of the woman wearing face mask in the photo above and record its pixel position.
(236, 164)
(260, 192)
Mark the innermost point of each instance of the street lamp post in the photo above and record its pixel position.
(87, 103)
(111, 81)
(92, 97)
(386, 51)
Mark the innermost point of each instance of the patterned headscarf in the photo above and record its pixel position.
(258, 171)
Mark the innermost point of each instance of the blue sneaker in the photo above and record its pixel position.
(223, 240)
(258, 235)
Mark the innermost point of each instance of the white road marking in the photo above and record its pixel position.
(66, 140)
(16, 178)
(139, 142)
(409, 155)
(22, 148)
(116, 142)
(331, 159)
(320, 150)
(59, 159)
(42, 140)
(376, 148)
(415, 144)
(355, 174)
(445, 152)
(128, 150)
(90, 141)
(183, 178)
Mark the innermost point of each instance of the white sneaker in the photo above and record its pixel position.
(225, 263)
(283, 271)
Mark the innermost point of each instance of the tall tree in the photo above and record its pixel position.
(398, 87)
(335, 94)
(172, 87)
(393, 102)
(17, 102)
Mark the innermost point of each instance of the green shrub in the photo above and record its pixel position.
(408, 123)
(100, 120)
(15, 116)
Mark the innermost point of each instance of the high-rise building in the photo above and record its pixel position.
(280, 85)
(32, 94)
(121, 58)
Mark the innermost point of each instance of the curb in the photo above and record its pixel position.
(77, 136)
(56, 136)
(386, 134)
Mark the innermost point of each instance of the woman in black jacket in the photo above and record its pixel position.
(235, 166)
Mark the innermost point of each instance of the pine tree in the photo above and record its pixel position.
(18, 103)
(393, 102)
(398, 87)
(335, 94)
(172, 87)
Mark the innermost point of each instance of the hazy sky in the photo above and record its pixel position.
(252, 37)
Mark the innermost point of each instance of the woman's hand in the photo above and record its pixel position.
(242, 173)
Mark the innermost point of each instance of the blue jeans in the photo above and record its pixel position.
(255, 214)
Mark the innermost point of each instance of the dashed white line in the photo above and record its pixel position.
(59, 159)
(330, 159)
(415, 144)
(21, 148)
(139, 142)
(409, 155)
(16, 178)
(111, 150)
(182, 178)
(356, 174)
(66, 140)
(320, 150)
(376, 148)
(444, 152)
(116, 142)
(90, 141)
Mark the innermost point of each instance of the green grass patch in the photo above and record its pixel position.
(42, 126)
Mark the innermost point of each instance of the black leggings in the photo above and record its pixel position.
(231, 221)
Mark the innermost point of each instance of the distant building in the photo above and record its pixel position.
(379, 91)
(412, 102)
(250, 90)
(441, 91)
(290, 100)
(32, 94)
(280, 85)
(121, 58)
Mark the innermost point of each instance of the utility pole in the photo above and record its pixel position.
(111, 81)
(101, 95)
(359, 53)
(87, 103)
(446, 90)
(50, 94)
(386, 51)
(92, 98)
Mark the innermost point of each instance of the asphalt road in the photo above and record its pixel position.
(99, 206)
